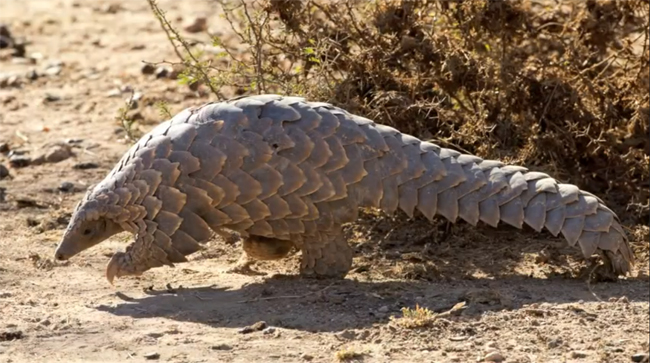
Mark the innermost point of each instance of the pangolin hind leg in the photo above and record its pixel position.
(327, 255)
(258, 248)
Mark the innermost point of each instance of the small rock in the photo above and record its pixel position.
(307, 357)
(245, 330)
(4, 172)
(66, 186)
(175, 72)
(260, 325)
(17, 153)
(4, 294)
(4, 147)
(7, 336)
(347, 334)
(199, 24)
(161, 72)
(32, 75)
(5, 42)
(111, 8)
(152, 356)
(18, 161)
(147, 69)
(4, 30)
(3, 193)
(36, 56)
(640, 358)
(74, 141)
(114, 93)
(9, 80)
(58, 154)
(269, 330)
(85, 166)
(221, 347)
(494, 356)
(51, 97)
(579, 354)
(554, 343)
(383, 309)
(53, 71)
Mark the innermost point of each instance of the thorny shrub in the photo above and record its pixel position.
(556, 86)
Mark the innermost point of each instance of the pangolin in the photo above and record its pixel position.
(284, 172)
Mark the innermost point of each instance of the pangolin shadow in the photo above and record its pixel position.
(334, 306)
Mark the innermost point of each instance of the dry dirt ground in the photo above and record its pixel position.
(523, 293)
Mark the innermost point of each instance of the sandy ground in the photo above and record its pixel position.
(522, 293)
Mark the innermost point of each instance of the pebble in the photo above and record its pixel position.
(161, 72)
(245, 330)
(347, 334)
(9, 80)
(66, 186)
(221, 347)
(494, 356)
(4, 30)
(86, 166)
(111, 8)
(199, 24)
(5, 42)
(554, 343)
(260, 325)
(269, 330)
(17, 152)
(10, 335)
(640, 358)
(4, 172)
(53, 70)
(51, 98)
(307, 357)
(578, 354)
(58, 154)
(19, 161)
(4, 147)
(383, 309)
(114, 93)
(152, 356)
(148, 69)
(32, 75)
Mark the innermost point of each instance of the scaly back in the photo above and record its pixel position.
(284, 168)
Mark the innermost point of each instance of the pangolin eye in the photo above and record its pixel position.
(87, 231)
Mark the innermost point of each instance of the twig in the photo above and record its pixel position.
(167, 27)
(126, 123)
(286, 296)
(548, 102)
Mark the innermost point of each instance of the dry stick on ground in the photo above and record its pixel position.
(286, 296)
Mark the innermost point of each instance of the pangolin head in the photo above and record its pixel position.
(88, 226)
